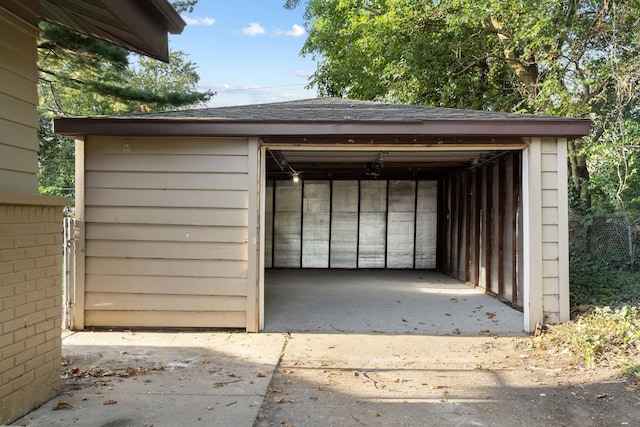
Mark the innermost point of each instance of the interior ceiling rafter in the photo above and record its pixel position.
(404, 158)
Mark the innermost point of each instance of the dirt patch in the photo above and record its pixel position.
(377, 380)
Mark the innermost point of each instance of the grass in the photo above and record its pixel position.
(606, 330)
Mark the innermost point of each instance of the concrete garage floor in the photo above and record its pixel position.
(382, 301)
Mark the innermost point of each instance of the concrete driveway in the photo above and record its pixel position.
(161, 379)
(133, 378)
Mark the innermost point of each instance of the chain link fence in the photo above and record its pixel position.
(608, 241)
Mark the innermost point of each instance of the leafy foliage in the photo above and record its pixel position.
(597, 285)
(575, 58)
(605, 337)
(81, 75)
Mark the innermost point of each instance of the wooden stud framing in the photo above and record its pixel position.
(415, 222)
(502, 188)
(477, 214)
(467, 224)
(517, 185)
(488, 223)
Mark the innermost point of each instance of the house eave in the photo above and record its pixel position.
(139, 26)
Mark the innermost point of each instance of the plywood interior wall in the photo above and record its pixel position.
(351, 224)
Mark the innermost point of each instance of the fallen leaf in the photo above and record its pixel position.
(274, 390)
(602, 395)
(280, 400)
(209, 408)
(260, 375)
(62, 405)
(109, 373)
(456, 331)
(378, 414)
(287, 371)
(490, 315)
(110, 402)
(320, 388)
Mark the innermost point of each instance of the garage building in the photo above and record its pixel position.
(178, 214)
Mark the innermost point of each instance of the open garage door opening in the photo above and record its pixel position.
(352, 235)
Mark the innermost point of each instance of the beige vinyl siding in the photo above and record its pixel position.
(546, 247)
(554, 225)
(166, 230)
(19, 99)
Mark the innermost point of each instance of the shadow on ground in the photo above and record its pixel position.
(160, 379)
(356, 380)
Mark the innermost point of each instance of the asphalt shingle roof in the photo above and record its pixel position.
(333, 110)
(324, 117)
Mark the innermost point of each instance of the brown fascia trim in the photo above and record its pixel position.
(570, 128)
(175, 23)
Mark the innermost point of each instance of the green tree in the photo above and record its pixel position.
(81, 75)
(576, 58)
(155, 86)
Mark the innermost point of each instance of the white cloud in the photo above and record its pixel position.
(296, 31)
(198, 20)
(303, 73)
(253, 29)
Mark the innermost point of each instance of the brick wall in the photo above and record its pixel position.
(30, 307)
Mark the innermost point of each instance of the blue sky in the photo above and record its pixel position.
(248, 51)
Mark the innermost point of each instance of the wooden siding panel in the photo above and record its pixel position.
(167, 180)
(18, 160)
(17, 86)
(22, 111)
(166, 302)
(17, 182)
(168, 216)
(161, 233)
(18, 52)
(172, 319)
(19, 100)
(549, 162)
(17, 135)
(176, 146)
(149, 284)
(167, 250)
(19, 39)
(166, 267)
(166, 231)
(549, 198)
(129, 162)
(168, 198)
